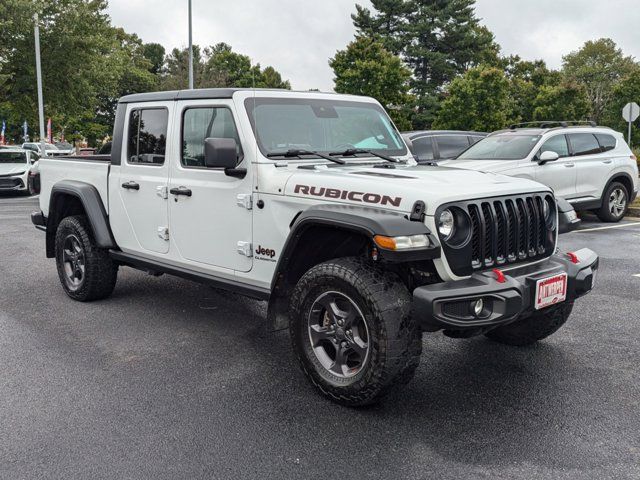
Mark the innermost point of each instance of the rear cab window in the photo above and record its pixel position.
(147, 136)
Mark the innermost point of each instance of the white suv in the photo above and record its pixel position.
(591, 167)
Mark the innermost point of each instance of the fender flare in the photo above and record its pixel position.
(93, 206)
(615, 176)
(362, 220)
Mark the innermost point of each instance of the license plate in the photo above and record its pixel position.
(551, 290)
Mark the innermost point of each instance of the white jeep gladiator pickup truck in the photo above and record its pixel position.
(312, 202)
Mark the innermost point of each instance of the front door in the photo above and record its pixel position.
(561, 173)
(143, 178)
(211, 221)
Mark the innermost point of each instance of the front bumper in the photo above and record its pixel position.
(447, 305)
(16, 183)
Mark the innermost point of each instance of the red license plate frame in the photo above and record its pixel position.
(550, 291)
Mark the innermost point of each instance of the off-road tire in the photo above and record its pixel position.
(604, 213)
(100, 272)
(395, 340)
(531, 329)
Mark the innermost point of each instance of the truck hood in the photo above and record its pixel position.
(482, 165)
(399, 188)
(10, 168)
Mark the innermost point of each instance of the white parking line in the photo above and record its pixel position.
(635, 224)
(637, 275)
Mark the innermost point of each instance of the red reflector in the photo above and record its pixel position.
(499, 275)
(573, 257)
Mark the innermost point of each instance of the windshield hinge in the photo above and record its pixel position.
(244, 200)
(244, 248)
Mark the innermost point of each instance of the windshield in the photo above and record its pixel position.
(325, 126)
(13, 157)
(501, 147)
(48, 146)
(63, 146)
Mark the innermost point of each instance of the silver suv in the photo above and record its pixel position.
(591, 167)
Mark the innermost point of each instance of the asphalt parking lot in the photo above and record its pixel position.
(171, 379)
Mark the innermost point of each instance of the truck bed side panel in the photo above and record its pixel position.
(92, 171)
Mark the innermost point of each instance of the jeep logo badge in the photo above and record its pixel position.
(265, 252)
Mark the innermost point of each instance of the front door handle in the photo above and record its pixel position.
(180, 191)
(569, 165)
(131, 186)
(607, 161)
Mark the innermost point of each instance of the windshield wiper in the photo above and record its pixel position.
(352, 152)
(298, 153)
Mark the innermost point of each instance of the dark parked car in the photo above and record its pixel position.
(433, 145)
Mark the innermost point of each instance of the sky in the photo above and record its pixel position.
(297, 37)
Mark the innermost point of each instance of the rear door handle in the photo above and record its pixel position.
(569, 165)
(180, 191)
(607, 161)
(131, 186)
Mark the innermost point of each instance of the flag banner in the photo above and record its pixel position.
(49, 134)
(4, 126)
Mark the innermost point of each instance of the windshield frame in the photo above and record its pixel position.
(250, 102)
(538, 137)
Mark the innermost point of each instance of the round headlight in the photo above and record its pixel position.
(546, 210)
(446, 224)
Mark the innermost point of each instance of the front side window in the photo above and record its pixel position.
(326, 126)
(423, 148)
(450, 146)
(201, 123)
(13, 157)
(607, 142)
(556, 144)
(501, 147)
(147, 140)
(584, 143)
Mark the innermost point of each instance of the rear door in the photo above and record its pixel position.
(144, 174)
(593, 166)
(561, 173)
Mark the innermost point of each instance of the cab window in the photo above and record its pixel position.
(556, 144)
(201, 123)
(147, 138)
(584, 144)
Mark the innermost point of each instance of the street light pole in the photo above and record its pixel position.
(36, 32)
(190, 51)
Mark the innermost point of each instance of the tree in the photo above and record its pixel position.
(365, 67)
(438, 40)
(478, 100)
(567, 101)
(598, 65)
(154, 53)
(625, 91)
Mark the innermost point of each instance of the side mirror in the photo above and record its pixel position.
(220, 153)
(548, 156)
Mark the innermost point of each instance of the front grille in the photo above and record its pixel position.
(504, 231)
(10, 182)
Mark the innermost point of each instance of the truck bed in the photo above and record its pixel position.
(92, 169)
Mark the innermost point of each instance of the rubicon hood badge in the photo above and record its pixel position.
(373, 198)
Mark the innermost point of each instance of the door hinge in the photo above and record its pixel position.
(244, 200)
(163, 233)
(162, 192)
(244, 248)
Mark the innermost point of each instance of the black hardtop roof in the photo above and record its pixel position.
(198, 94)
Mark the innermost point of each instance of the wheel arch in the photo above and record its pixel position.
(324, 232)
(71, 197)
(625, 179)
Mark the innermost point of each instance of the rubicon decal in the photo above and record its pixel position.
(374, 198)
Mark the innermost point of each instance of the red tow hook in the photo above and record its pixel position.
(573, 257)
(500, 278)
